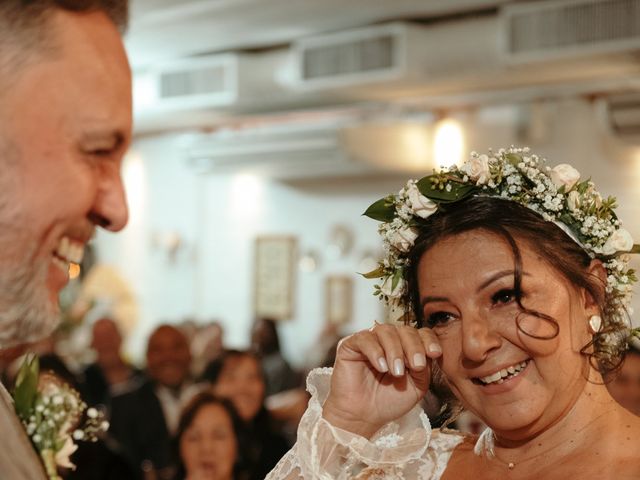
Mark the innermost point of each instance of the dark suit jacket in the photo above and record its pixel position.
(139, 426)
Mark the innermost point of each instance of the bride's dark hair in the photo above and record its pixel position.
(512, 221)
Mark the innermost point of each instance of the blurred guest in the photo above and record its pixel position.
(110, 374)
(144, 419)
(322, 352)
(48, 359)
(624, 385)
(207, 344)
(207, 440)
(237, 376)
(265, 342)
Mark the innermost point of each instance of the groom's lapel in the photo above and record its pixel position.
(18, 459)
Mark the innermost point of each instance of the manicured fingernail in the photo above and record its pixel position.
(398, 367)
(435, 348)
(383, 364)
(419, 360)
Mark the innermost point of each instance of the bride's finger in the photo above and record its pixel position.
(430, 342)
(389, 339)
(414, 349)
(365, 343)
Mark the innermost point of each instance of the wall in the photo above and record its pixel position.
(218, 217)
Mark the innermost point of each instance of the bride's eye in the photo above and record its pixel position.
(504, 296)
(439, 318)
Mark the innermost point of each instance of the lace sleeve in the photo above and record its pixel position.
(406, 448)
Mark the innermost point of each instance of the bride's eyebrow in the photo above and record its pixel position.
(497, 276)
(426, 300)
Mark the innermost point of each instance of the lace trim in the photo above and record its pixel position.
(406, 449)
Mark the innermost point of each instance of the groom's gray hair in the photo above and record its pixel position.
(25, 28)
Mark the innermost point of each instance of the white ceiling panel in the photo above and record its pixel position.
(165, 29)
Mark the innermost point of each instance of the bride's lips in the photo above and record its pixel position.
(503, 379)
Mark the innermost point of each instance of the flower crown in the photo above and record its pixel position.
(515, 174)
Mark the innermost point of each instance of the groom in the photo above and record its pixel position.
(65, 124)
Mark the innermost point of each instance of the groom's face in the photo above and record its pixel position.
(65, 123)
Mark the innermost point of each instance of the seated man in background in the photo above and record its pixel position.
(625, 383)
(110, 374)
(145, 419)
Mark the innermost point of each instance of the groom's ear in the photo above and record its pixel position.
(598, 273)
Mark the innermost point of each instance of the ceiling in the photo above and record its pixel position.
(463, 59)
(164, 29)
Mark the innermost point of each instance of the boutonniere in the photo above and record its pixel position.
(53, 415)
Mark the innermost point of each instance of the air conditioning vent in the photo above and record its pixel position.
(201, 81)
(359, 56)
(349, 57)
(195, 82)
(567, 28)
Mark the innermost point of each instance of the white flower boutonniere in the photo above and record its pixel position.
(51, 412)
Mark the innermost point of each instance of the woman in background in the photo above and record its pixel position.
(237, 376)
(207, 441)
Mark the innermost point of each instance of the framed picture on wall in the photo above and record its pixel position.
(338, 299)
(275, 258)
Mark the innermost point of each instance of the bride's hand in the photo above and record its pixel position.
(379, 375)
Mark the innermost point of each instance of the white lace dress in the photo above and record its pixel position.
(405, 449)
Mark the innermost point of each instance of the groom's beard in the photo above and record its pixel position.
(26, 311)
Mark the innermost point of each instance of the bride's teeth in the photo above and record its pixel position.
(500, 376)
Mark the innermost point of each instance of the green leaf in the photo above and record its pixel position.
(635, 248)
(26, 389)
(383, 210)
(582, 187)
(458, 191)
(514, 159)
(377, 273)
(396, 278)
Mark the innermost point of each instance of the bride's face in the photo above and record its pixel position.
(516, 383)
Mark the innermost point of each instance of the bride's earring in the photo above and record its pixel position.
(595, 322)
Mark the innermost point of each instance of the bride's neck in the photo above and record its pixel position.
(592, 411)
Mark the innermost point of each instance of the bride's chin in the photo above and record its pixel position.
(513, 421)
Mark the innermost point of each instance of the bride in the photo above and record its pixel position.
(516, 279)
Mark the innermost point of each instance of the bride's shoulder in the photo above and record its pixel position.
(447, 439)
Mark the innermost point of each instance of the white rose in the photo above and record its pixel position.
(619, 241)
(564, 174)
(63, 455)
(478, 169)
(386, 289)
(404, 238)
(573, 201)
(419, 204)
